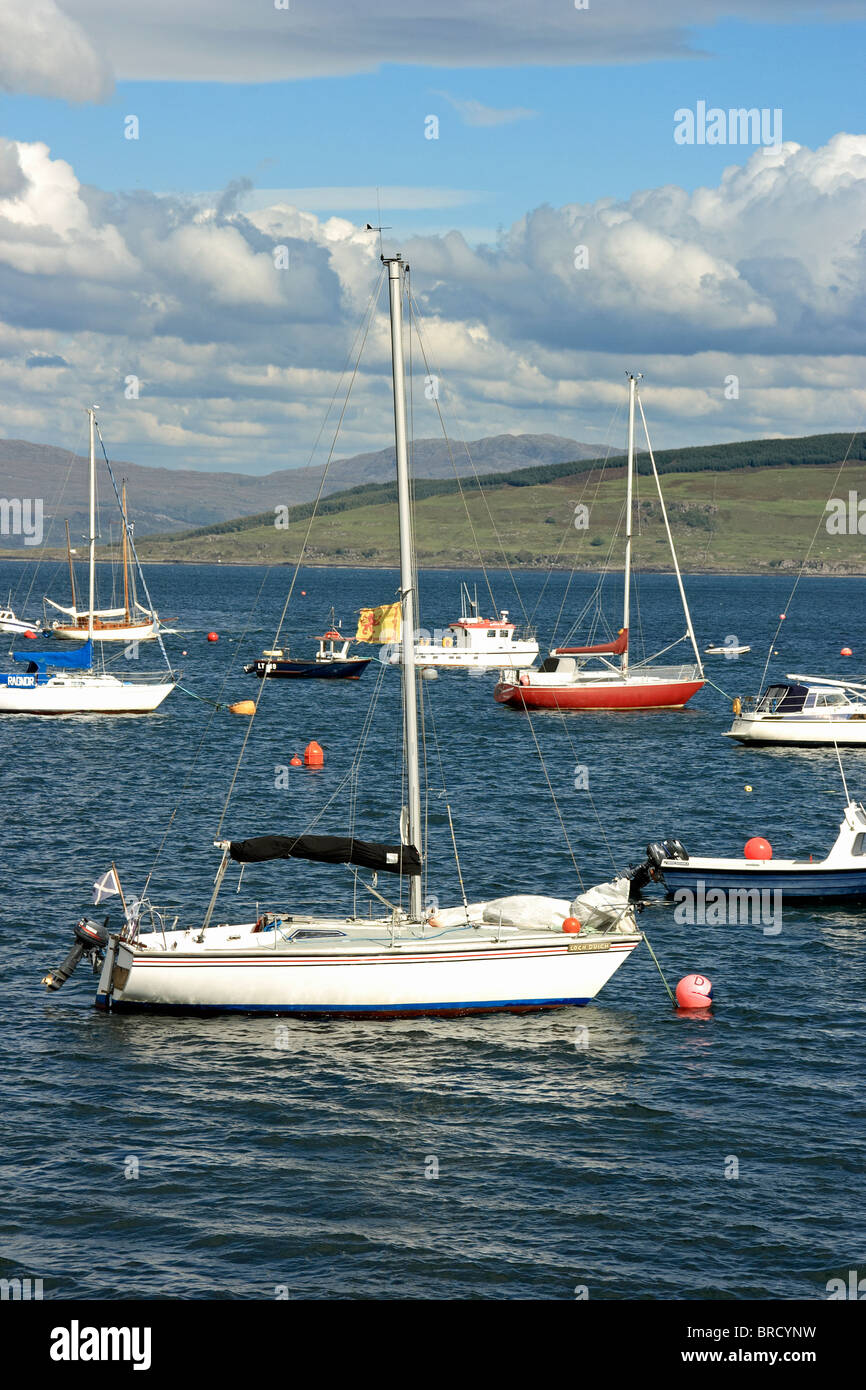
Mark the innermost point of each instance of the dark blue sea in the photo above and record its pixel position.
(624, 1150)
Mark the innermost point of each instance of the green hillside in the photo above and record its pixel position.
(733, 507)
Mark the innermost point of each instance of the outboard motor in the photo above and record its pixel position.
(675, 849)
(649, 871)
(91, 939)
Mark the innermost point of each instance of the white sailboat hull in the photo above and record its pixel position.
(86, 694)
(541, 970)
(130, 632)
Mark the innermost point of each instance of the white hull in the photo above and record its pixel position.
(779, 729)
(86, 694)
(518, 654)
(236, 970)
(132, 632)
(19, 628)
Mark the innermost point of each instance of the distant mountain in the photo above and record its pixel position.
(169, 499)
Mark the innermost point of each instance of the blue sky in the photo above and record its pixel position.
(120, 260)
(600, 131)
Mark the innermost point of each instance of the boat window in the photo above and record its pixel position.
(503, 632)
(830, 697)
(491, 632)
(313, 934)
(550, 663)
(783, 699)
(857, 847)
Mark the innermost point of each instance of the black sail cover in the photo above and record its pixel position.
(328, 849)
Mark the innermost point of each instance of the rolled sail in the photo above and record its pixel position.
(328, 849)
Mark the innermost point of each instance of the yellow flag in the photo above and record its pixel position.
(379, 624)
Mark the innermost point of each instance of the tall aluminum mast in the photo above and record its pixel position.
(396, 273)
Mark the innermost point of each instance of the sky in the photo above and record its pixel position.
(548, 170)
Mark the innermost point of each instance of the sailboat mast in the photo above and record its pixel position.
(396, 271)
(92, 596)
(626, 598)
(125, 557)
(71, 572)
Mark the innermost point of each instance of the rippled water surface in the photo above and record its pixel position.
(585, 1148)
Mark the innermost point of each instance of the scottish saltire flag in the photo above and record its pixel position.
(379, 624)
(106, 886)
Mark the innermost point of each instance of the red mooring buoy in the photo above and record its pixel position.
(313, 755)
(758, 848)
(694, 992)
(213, 637)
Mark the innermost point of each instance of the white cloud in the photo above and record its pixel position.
(46, 53)
(473, 112)
(762, 276)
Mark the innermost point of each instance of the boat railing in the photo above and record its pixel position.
(688, 671)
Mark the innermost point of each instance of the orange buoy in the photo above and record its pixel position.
(313, 755)
(183, 653)
(213, 637)
(694, 992)
(295, 762)
(571, 924)
(758, 848)
(781, 617)
(30, 634)
(243, 707)
(846, 651)
(303, 593)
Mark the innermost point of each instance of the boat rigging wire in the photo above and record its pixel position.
(805, 559)
(362, 328)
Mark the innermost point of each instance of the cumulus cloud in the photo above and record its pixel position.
(239, 324)
(45, 52)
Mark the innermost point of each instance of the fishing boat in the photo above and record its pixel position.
(516, 952)
(64, 681)
(602, 676)
(839, 877)
(131, 623)
(19, 627)
(331, 661)
(473, 643)
(802, 710)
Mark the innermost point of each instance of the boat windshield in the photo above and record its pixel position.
(783, 699)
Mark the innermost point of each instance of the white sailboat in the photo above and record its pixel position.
(64, 681)
(518, 952)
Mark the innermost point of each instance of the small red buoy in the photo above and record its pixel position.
(781, 617)
(758, 848)
(694, 992)
(571, 924)
(31, 635)
(213, 637)
(183, 653)
(303, 593)
(295, 762)
(313, 755)
(846, 651)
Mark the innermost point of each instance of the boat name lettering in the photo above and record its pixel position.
(583, 946)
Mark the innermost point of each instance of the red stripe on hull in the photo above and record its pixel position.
(671, 695)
